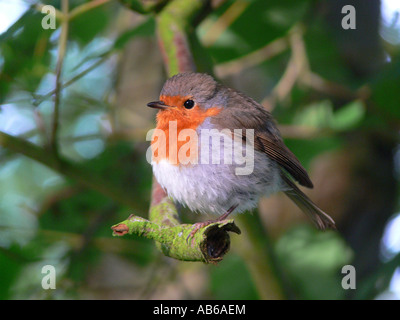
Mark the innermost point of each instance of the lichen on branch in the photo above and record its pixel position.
(209, 244)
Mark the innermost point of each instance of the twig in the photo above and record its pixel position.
(298, 71)
(74, 171)
(208, 245)
(333, 89)
(118, 43)
(303, 132)
(62, 46)
(143, 6)
(252, 59)
(38, 100)
(41, 127)
(224, 21)
(85, 7)
(172, 25)
(298, 63)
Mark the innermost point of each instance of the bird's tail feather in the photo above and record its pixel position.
(320, 218)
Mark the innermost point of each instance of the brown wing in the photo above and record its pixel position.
(277, 151)
(244, 112)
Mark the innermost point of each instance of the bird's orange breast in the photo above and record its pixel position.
(177, 122)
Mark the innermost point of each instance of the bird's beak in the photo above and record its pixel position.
(158, 105)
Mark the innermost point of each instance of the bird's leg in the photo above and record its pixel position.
(199, 225)
(227, 213)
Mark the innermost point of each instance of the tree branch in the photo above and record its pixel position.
(209, 244)
(72, 170)
(173, 23)
(254, 58)
(143, 6)
(86, 7)
(298, 70)
(224, 21)
(62, 47)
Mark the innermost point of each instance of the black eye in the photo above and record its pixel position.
(189, 104)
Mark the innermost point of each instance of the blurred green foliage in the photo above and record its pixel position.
(312, 260)
(48, 218)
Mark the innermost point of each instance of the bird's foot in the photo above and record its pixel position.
(198, 225)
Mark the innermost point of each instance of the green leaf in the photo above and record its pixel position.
(385, 89)
(349, 116)
(318, 115)
(321, 115)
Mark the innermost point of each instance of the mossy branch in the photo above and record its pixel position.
(173, 24)
(208, 244)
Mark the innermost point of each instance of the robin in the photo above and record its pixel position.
(199, 174)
